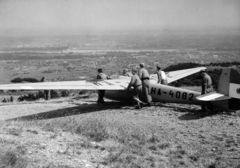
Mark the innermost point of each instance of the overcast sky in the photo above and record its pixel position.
(118, 14)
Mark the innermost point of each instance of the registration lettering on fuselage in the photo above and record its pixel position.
(172, 94)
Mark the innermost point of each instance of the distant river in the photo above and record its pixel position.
(132, 51)
(92, 51)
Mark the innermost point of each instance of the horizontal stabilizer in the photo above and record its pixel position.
(212, 97)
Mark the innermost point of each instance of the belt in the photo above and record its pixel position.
(138, 85)
(147, 78)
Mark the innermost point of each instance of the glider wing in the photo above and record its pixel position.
(113, 84)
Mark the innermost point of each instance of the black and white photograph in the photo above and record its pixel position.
(119, 84)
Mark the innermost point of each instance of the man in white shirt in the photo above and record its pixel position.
(162, 78)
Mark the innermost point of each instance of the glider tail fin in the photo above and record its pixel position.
(228, 92)
(229, 85)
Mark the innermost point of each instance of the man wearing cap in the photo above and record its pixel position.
(206, 84)
(137, 85)
(126, 73)
(101, 93)
(162, 78)
(144, 76)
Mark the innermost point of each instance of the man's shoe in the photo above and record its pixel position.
(138, 107)
(148, 105)
(141, 105)
(101, 103)
(202, 110)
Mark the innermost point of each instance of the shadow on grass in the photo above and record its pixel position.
(196, 114)
(80, 109)
(188, 113)
(191, 116)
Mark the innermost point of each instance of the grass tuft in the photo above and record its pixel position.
(93, 129)
(12, 159)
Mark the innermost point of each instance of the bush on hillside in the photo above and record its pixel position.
(19, 80)
(16, 80)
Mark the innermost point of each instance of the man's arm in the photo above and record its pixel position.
(131, 83)
(140, 74)
(209, 82)
(159, 77)
(99, 76)
(204, 85)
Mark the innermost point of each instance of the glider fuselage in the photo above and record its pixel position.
(159, 93)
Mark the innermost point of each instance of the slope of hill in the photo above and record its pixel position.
(74, 132)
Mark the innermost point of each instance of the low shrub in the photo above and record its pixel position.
(94, 129)
(12, 159)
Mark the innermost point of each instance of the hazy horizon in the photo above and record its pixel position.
(88, 16)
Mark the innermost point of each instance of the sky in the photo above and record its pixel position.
(118, 15)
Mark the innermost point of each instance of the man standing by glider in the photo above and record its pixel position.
(101, 93)
(206, 84)
(144, 76)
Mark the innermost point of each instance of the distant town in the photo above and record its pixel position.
(78, 57)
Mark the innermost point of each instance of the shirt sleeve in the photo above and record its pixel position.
(204, 85)
(99, 77)
(159, 77)
(205, 81)
(209, 82)
(140, 74)
(131, 83)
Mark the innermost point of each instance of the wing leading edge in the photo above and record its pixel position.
(114, 84)
(176, 75)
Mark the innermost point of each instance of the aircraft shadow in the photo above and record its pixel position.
(194, 114)
(189, 114)
(79, 109)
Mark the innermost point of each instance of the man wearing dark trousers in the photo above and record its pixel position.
(101, 93)
(47, 93)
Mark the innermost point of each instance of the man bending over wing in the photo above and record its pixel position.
(137, 84)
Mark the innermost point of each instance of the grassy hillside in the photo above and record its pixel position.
(73, 133)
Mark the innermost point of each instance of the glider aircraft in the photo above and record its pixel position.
(225, 97)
